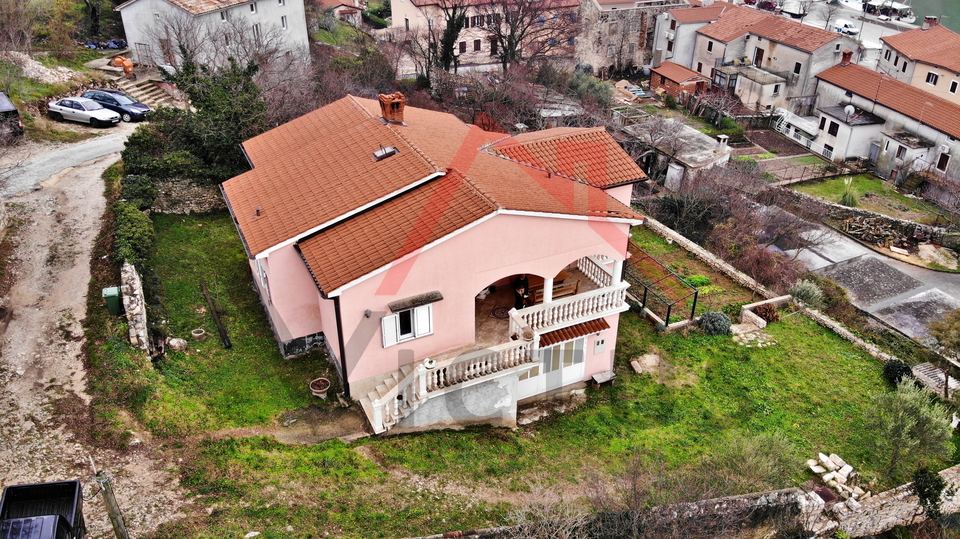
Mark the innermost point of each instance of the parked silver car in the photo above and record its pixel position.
(83, 110)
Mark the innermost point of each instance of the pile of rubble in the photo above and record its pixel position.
(840, 476)
(881, 233)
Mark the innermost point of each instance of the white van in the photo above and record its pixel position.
(846, 27)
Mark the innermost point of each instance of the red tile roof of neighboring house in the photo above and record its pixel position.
(937, 45)
(678, 73)
(700, 14)
(319, 170)
(734, 23)
(195, 7)
(390, 231)
(573, 332)
(896, 95)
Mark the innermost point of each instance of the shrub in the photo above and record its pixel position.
(715, 323)
(374, 21)
(697, 280)
(134, 234)
(670, 101)
(848, 198)
(768, 312)
(895, 370)
(807, 292)
(138, 190)
(733, 309)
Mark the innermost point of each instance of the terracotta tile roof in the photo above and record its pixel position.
(896, 95)
(938, 46)
(316, 168)
(737, 22)
(678, 73)
(195, 7)
(379, 236)
(590, 155)
(575, 331)
(700, 14)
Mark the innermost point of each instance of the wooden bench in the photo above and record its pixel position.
(560, 290)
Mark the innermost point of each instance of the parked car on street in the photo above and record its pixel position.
(83, 110)
(127, 106)
(846, 27)
(10, 123)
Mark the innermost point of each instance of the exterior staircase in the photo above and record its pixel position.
(932, 377)
(147, 91)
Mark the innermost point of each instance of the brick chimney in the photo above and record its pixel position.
(929, 22)
(845, 59)
(391, 107)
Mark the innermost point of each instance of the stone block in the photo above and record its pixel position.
(636, 366)
(827, 462)
(845, 471)
(178, 345)
(829, 477)
(837, 460)
(817, 469)
(853, 505)
(812, 462)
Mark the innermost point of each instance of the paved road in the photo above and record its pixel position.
(26, 176)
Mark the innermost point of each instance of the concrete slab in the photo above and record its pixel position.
(912, 315)
(870, 280)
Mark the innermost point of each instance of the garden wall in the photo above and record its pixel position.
(183, 197)
(131, 288)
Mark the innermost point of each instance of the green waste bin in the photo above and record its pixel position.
(112, 297)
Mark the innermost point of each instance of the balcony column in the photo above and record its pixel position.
(617, 272)
(548, 290)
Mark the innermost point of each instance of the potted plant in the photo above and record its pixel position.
(319, 387)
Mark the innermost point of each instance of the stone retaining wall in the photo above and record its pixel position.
(747, 314)
(131, 288)
(184, 197)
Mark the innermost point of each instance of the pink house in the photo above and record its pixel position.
(395, 237)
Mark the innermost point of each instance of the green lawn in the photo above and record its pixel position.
(873, 194)
(813, 388)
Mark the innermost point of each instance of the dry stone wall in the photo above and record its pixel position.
(131, 287)
(183, 197)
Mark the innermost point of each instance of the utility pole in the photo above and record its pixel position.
(113, 508)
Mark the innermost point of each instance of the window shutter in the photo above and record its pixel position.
(423, 320)
(388, 326)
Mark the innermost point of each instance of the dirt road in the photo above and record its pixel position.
(41, 359)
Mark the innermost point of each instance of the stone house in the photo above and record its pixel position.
(397, 238)
(677, 81)
(617, 35)
(919, 131)
(347, 10)
(765, 60)
(155, 28)
(675, 35)
(926, 57)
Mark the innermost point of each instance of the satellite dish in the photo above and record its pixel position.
(849, 110)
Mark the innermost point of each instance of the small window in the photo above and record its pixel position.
(493, 46)
(896, 60)
(282, 2)
(283, 22)
(256, 31)
(541, 20)
(669, 46)
(407, 325)
(699, 67)
(406, 23)
(673, 24)
(430, 22)
(463, 47)
(932, 78)
(797, 67)
(632, 48)
(776, 89)
(943, 161)
(833, 129)
(476, 45)
(253, 7)
(901, 152)
(823, 122)
(570, 40)
(953, 87)
(837, 48)
(226, 40)
(223, 15)
(886, 146)
(709, 46)
(886, 55)
(903, 68)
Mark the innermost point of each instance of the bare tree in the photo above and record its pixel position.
(624, 41)
(530, 30)
(17, 22)
(829, 12)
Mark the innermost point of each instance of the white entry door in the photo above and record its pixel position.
(560, 365)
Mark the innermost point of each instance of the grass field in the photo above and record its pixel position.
(812, 388)
(874, 194)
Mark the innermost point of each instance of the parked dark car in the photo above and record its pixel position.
(129, 109)
(767, 5)
(10, 122)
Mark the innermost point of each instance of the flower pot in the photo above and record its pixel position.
(198, 334)
(528, 335)
(319, 387)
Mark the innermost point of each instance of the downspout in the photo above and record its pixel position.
(343, 351)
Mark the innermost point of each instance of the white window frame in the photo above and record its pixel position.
(257, 34)
(421, 320)
(223, 16)
(281, 2)
(264, 282)
(953, 86)
(253, 7)
(933, 75)
(776, 89)
(283, 22)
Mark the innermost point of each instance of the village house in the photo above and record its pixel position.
(899, 127)
(675, 36)
(677, 81)
(449, 272)
(211, 28)
(347, 10)
(765, 60)
(617, 35)
(477, 47)
(926, 57)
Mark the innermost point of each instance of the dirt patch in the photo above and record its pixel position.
(309, 425)
(771, 140)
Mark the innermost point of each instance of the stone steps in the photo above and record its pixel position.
(146, 91)
(932, 377)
